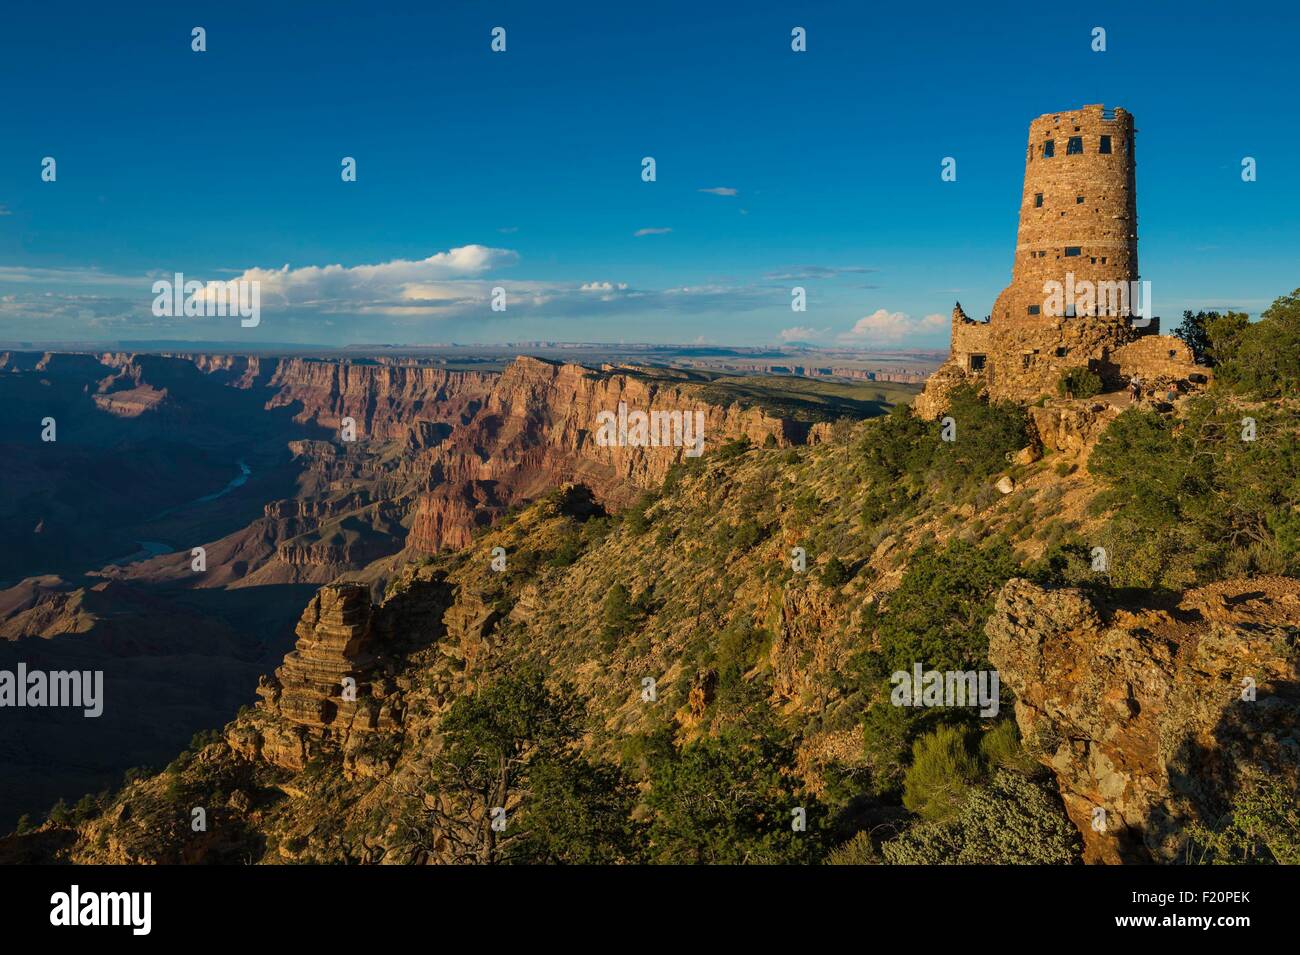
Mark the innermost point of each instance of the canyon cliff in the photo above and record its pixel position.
(745, 611)
(191, 502)
(537, 429)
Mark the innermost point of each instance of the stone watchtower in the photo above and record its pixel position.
(1078, 235)
(1078, 212)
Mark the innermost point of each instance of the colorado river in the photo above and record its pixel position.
(148, 549)
(239, 480)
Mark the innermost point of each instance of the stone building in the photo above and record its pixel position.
(1075, 298)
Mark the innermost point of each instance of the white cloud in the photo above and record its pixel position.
(386, 297)
(885, 327)
(640, 232)
(721, 191)
(400, 280)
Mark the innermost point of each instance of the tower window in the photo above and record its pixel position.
(1075, 146)
(1038, 200)
(1105, 145)
(1033, 309)
(1049, 149)
(977, 362)
(1062, 351)
(1072, 250)
(1078, 200)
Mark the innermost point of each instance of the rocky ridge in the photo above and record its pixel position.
(1149, 716)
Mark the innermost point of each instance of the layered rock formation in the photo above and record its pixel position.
(241, 456)
(1151, 717)
(384, 400)
(537, 428)
(322, 689)
(341, 683)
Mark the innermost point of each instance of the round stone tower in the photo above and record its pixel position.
(1078, 219)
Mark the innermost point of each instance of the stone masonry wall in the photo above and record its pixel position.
(1078, 210)
(1078, 223)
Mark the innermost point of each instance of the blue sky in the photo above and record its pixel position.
(522, 169)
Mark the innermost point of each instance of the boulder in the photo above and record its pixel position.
(1141, 712)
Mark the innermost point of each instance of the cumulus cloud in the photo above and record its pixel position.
(885, 327)
(375, 299)
(721, 191)
(386, 283)
(640, 232)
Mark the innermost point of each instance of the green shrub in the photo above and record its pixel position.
(906, 460)
(937, 613)
(741, 647)
(512, 742)
(1079, 383)
(60, 815)
(619, 616)
(834, 574)
(943, 769)
(1011, 821)
(567, 551)
(732, 449)
(1000, 748)
(727, 800)
(746, 534)
(635, 518)
(1192, 502)
(1262, 826)
(856, 851)
(1261, 360)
